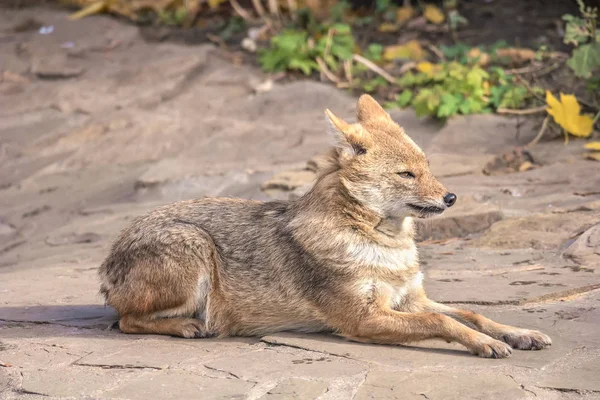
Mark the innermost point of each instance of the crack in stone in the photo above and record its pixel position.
(570, 390)
(521, 385)
(24, 391)
(226, 372)
(293, 346)
(113, 366)
(565, 295)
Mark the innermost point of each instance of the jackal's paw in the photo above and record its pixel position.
(192, 328)
(491, 348)
(525, 339)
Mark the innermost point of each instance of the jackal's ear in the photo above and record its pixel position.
(350, 139)
(368, 109)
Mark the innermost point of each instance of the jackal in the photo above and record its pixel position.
(340, 259)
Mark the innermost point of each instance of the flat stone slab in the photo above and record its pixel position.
(170, 385)
(163, 354)
(278, 364)
(297, 389)
(439, 384)
(133, 125)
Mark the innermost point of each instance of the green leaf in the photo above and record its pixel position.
(514, 97)
(496, 95)
(374, 52)
(404, 98)
(304, 65)
(476, 76)
(585, 60)
(576, 32)
(381, 5)
(449, 105)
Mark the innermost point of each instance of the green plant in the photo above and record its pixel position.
(297, 50)
(452, 88)
(174, 17)
(583, 33)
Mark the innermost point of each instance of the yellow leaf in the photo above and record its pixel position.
(433, 14)
(486, 88)
(476, 55)
(387, 27)
(593, 156)
(411, 50)
(213, 4)
(593, 146)
(428, 68)
(566, 113)
(92, 9)
(403, 14)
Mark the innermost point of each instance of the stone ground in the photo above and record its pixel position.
(97, 126)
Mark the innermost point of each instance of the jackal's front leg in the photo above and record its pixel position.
(517, 338)
(394, 327)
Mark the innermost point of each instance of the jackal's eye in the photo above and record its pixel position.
(407, 175)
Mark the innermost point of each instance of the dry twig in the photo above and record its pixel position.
(274, 8)
(435, 50)
(325, 71)
(529, 89)
(540, 134)
(374, 68)
(260, 10)
(293, 7)
(526, 111)
(240, 10)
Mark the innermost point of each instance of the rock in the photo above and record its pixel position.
(289, 180)
(580, 377)
(297, 389)
(249, 45)
(538, 231)
(459, 221)
(517, 160)
(83, 384)
(55, 67)
(480, 384)
(286, 363)
(72, 238)
(472, 135)
(165, 385)
(585, 250)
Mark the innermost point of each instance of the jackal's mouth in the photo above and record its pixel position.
(427, 210)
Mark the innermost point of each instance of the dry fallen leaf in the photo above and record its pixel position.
(403, 14)
(433, 14)
(517, 55)
(593, 156)
(566, 113)
(593, 146)
(526, 166)
(388, 27)
(411, 50)
(428, 68)
(479, 57)
(94, 8)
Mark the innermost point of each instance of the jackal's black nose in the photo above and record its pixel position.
(450, 199)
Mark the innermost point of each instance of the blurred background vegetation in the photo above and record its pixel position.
(442, 58)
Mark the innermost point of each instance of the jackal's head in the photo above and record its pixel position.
(382, 168)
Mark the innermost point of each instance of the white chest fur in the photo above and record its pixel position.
(383, 258)
(395, 292)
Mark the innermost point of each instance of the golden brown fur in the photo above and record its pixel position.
(342, 258)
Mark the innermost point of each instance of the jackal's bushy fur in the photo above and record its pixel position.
(342, 258)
